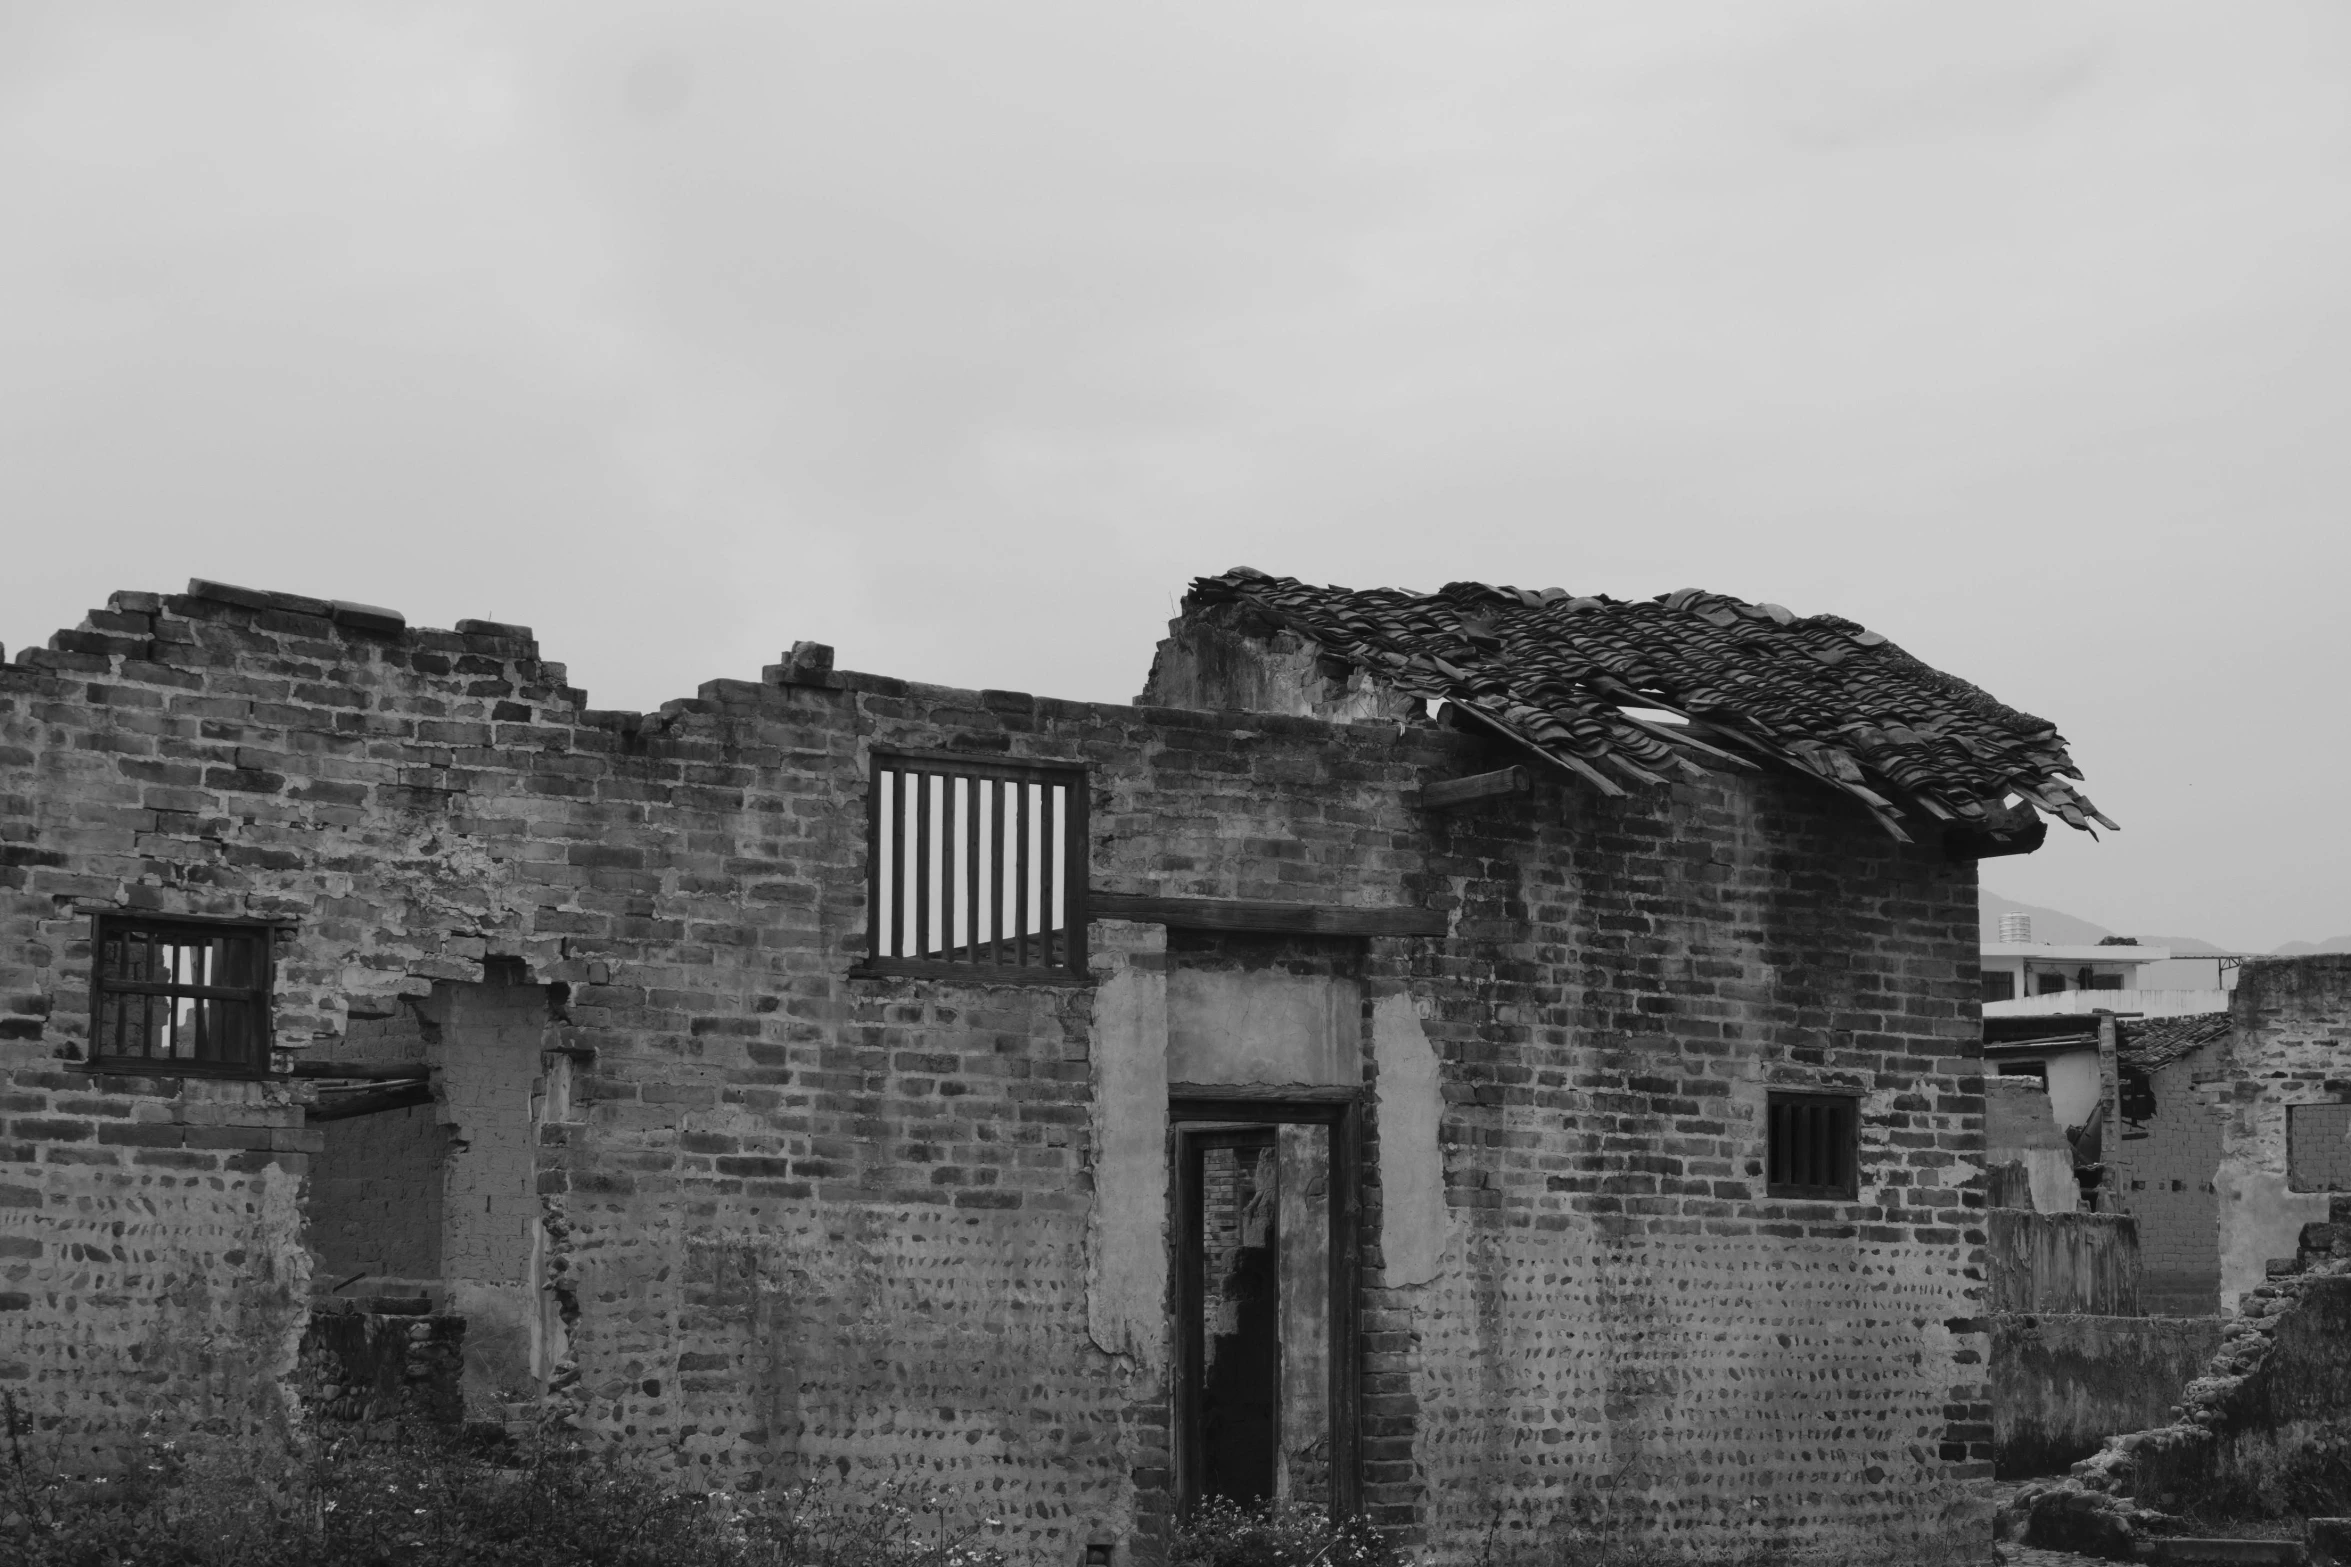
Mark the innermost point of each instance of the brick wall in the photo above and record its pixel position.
(1621, 1297)
(2163, 1171)
(375, 1200)
(792, 1221)
(377, 1183)
(2289, 1044)
(2318, 1147)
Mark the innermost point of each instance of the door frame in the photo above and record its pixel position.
(1340, 1109)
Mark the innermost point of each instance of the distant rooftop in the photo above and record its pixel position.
(2050, 952)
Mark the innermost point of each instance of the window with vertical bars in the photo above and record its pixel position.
(1813, 1145)
(976, 865)
(185, 994)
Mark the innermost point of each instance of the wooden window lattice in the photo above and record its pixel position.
(975, 865)
(189, 995)
(1813, 1145)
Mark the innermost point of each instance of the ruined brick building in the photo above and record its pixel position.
(1497, 1059)
(2170, 1109)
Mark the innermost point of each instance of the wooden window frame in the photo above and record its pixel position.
(258, 996)
(1019, 957)
(1781, 1107)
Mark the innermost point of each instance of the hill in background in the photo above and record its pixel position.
(2066, 930)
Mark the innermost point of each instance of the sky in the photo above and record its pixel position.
(962, 335)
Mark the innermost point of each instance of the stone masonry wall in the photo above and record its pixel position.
(795, 1221)
(381, 1375)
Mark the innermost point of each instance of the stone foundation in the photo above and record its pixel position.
(377, 1373)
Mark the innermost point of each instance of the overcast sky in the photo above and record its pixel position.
(961, 335)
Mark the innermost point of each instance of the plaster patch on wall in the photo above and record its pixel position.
(2262, 1218)
(1126, 1234)
(1412, 1176)
(1263, 1027)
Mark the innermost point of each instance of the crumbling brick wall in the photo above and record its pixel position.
(2163, 1171)
(1619, 1291)
(266, 758)
(2289, 1040)
(793, 1219)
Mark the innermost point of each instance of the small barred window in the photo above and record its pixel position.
(188, 995)
(976, 865)
(1813, 1144)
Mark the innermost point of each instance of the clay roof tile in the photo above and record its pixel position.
(1842, 703)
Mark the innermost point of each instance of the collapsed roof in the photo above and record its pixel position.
(2149, 1044)
(1556, 673)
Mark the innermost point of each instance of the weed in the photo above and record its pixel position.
(451, 1502)
(1222, 1533)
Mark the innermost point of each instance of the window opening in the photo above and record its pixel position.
(191, 995)
(2049, 984)
(976, 863)
(1999, 985)
(1812, 1145)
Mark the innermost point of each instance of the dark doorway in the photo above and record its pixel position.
(1265, 1271)
(1239, 1179)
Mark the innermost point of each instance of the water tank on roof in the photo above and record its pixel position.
(2016, 927)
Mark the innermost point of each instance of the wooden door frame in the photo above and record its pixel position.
(1342, 1111)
